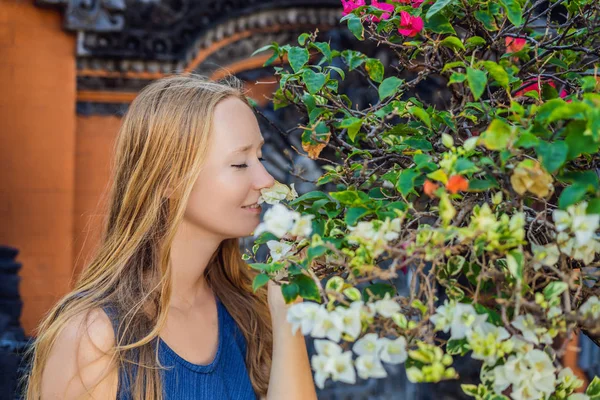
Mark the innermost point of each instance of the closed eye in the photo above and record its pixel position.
(240, 166)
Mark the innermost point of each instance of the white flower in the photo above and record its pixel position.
(292, 194)
(375, 234)
(591, 308)
(276, 193)
(367, 345)
(543, 376)
(586, 252)
(568, 379)
(393, 351)
(562, 220)
(302, 226)
(322, 363)
(327, 324)
(526, 324)
(369, 366)
(531, 375)
(278, 249)
(465, 318)
(443, 317)
(387, 307)
(342, 368)
(327, 348)
(278, 220)
(585, 226)
(578, 396)
(565, 242)
(351, 319)
(545, 255)
(302, 316)
(485, 339)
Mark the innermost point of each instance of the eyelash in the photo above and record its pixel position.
(240, 166)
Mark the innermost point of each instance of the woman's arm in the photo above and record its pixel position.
(291, 376)
(78, 366)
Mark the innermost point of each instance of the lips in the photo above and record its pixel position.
(254, 206)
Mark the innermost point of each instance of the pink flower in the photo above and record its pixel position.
(410, 26)
(534, 86)
(514, 44)
(415, 3)
(351, 5)
(383, 6)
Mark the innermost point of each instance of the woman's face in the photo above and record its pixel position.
(232, 175)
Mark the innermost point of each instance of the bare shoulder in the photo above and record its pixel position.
(80, 363)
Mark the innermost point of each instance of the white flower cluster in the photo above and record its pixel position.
(277, 193)
(279, 220)
(375, 234)
(532, 376)
(315, 320)
(577, 236)
(347, 322)
(332, 362)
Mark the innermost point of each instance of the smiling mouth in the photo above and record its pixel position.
(254, 206)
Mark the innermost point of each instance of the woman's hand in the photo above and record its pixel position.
(277, 304)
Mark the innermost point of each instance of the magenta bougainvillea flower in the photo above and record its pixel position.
(534, 86)
(410, 26)
(351, 5)
(382, 6)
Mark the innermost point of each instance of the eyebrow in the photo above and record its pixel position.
(248, 147)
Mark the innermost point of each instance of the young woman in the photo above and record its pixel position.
(165, 309)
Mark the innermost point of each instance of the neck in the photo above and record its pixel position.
(191, 252)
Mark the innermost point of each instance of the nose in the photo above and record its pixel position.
(264, 178)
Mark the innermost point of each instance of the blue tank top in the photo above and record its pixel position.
(225, 378)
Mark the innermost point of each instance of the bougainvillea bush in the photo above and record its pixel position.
(488, 199)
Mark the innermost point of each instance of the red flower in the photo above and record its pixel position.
(410, 26)
(514, 44)
(351, 5)
(429, 188)
(383, 6)
(538, 87)
(456, 184)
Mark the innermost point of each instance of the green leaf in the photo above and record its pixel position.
(353, 125)
(264, 48)
(439, 24)
(487, 19)
(481, 185)
(527, 141)
(457, 77)
(497, 72)
(572, 195)
(353, 59)
(406, 181)
(578, 142)
(453, 42)
(307, 288)
(513, 11)
(497, 136)
(421, 114)
(552, 155)
(356, 27)
(418, 143)
(477, 80)
(259, 281)
(470, 390)
(476, 41)
(378, 291)
(298, 56)
(314, 80)
(323, 48)
(593, 207)
(310, 196)
(389, 87)
(289, 291)
(457, 346)
(438, 6)
(555, 289)
(593, 389)
(302, 39)
(354, 214)
(514, 262)
(374, 68)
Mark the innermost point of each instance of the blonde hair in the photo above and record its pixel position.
(161, 146)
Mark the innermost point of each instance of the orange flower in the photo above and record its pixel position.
(514, 44)
(457, 183)
(429, 188)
